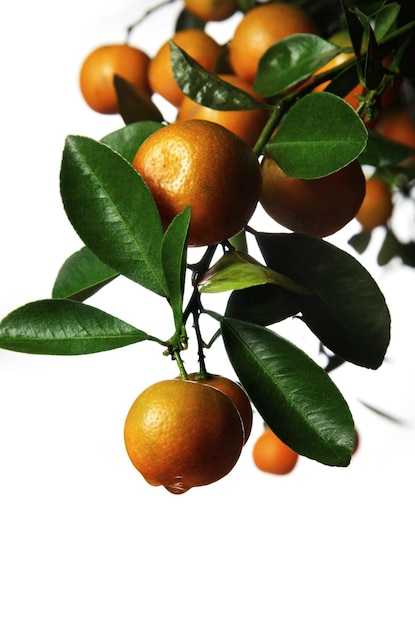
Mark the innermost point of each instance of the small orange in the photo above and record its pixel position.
(183, 434)
(235, 392)
(211, 10)
(204, 165)
(320, 206)
(260, 28)
(377, 205)
(397, 125)
(97, 75)
(246, 124)
(273, 456)
(198, 44)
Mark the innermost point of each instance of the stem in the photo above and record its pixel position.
(269, 128)
(149, 11)
(200, 345)
(177, 357)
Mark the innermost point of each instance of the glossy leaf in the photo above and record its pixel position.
(174, 251)
(134, 105)
(206, 88)
(263, 305)
(319, 135)
(65, 327)
(238, 270)
(128, 139)
(82, 275)
(293, 395)
(113, 211)
(290, 61)
(346, 309)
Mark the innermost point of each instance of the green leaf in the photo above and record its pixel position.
(206, 88)
(128, 139)
(134, 105)
(186, 20)
(372, 67)
(346, 309)
(65, 327)
(82, 275)
(383, 152)
(263, 305)
(113, 211)
(174, 250)
(238, 270)
(319, 135)
(290, 61)
(385, 19)
(293, 395)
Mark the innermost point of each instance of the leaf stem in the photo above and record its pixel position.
(146, 14)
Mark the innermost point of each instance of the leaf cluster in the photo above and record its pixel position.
(112, 210)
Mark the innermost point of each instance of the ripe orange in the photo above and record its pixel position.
(398, 125)
(183, 434)
(97, 74)
(211, 10)
(273, 456)
(259, 29)
(235, 392)
(319, 207)
(204, 165)
(198, 44)
(246, 124)
(377, 205)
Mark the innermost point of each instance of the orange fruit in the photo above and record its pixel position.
(211, 10)
(260, 28)
(198, 44)
(377, 205)
(235, 392)
(246, 124)
(356, 441)
(397, 125)
(183, 434)
(273, 456)
(320, 206)
(204, 165)
(97, 74)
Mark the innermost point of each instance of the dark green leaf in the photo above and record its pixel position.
(113, 211)
(64, 327)
(290, 61)
(319, 135)
(353, 24)
(206, 88)
(174, 251)
(382, 152)
(128, 139)
(293, 395)
(360, 241)
(347, 310)
(263, 305)
(186, 20)
(385, 20)
(82, 275)
(372, 72)
(134, 105)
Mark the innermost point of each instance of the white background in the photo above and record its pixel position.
(83, 539)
